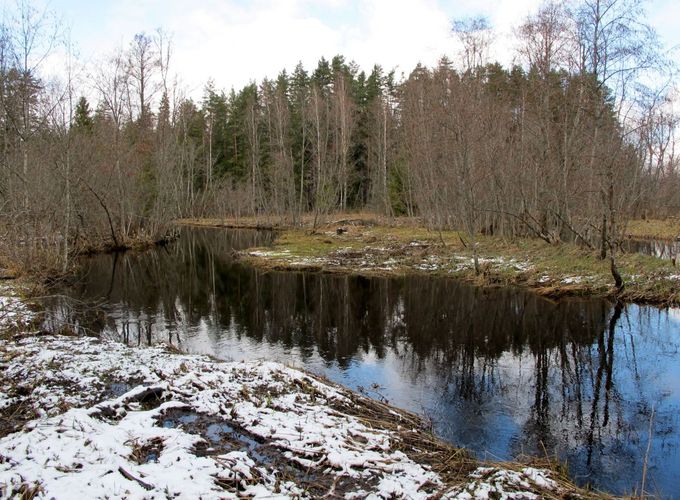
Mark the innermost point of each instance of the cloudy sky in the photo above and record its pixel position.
(235, 41)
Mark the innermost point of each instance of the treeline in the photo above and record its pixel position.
(306, 142)
(566, 144)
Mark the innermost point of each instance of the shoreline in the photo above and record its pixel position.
(100, 415)
(655, 229)
(42, 273)
(368, 247)
(109, 389)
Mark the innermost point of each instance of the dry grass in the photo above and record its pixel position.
(143, 452)
(305, 222)
(412, 436)
(655, 229)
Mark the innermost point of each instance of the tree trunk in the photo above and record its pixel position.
(603, 242)
(618, 281)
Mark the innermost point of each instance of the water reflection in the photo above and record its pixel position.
(662, 249)
(497, 370)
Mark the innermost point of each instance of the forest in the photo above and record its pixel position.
(566, 144)
(211, 290)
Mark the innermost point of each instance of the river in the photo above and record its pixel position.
(500, 371)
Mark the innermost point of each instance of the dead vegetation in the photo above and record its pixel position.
(221, 436)
(655, 229)
(146, 451)
(412, 435)
(14, 416)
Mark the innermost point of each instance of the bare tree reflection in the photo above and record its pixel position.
(499, 370)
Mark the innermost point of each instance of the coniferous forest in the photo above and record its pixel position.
(567, 143)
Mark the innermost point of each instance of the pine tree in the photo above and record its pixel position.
(83, 117)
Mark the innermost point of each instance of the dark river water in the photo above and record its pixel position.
(502, 372)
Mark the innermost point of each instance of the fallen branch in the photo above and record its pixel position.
(127, 475)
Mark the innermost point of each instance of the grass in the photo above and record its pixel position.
(655, 229)
(285, 222)
(368, 245)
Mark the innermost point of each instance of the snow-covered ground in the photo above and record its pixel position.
(13, 311)
(380, 259)
(106, 420)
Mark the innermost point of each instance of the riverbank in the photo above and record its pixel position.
(655, 229)
(15, 313)
(368, 246)
(44, 264)
(96, 418)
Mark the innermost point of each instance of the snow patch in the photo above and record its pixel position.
(86, 443)
(269, 253)
(495, 482)
(82, 450)
(13, 311)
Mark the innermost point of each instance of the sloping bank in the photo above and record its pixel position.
(86, 418)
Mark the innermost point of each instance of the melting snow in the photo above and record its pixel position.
(269, 253)
(79, 448)
(13, 311)
(83, 441)
(494, 482)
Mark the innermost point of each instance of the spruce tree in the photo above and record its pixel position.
(83, 118)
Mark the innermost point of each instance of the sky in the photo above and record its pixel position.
(234, 42)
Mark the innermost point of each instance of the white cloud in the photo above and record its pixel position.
(237, 46)
(236, 41)
(399, 34)
(664, 15)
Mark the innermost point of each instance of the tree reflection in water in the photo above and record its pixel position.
(501, 371)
